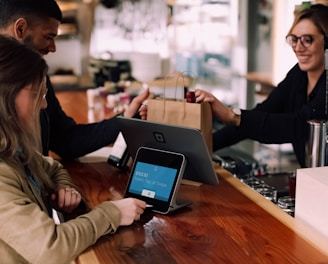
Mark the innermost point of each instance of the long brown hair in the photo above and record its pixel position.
(20, 66)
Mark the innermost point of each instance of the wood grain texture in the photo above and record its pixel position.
(222, 225)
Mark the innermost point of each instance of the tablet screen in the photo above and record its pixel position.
(155, 176)
(153, 181)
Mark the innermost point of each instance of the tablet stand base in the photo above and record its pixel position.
(179, 203)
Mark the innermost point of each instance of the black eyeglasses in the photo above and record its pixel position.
(306, 40)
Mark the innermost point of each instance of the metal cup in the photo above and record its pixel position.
(316, 145)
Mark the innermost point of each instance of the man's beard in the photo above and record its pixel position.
(28, 41)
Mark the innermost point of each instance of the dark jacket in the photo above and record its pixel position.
(282, 117)
(62, 135)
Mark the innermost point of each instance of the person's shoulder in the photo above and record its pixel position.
(51, 96)
(296, 70)
(8, 172)
(49, 85)
(293, 77)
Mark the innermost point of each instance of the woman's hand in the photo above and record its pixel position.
(130, 209)
(65, 199)
(221, 111)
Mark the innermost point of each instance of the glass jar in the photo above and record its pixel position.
(270, 193)
(287, 204)
(252, 182)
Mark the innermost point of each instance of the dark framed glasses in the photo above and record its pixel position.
(306, 40)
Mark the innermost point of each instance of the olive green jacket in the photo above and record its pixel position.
(29, 235)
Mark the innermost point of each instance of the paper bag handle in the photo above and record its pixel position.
(180, 75)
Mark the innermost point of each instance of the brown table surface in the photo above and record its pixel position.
(226, 223)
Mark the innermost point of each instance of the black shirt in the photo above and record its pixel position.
(282, 117)
(62, 135)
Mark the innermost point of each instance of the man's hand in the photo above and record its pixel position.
(137, 105)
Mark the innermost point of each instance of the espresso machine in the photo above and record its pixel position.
(316, 147)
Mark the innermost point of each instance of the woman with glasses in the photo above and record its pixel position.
(283, 116)
(31, 185)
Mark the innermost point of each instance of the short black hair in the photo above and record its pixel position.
(10, 10)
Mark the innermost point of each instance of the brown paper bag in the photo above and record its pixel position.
(182, 113)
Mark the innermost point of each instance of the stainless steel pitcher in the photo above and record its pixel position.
(316, 145)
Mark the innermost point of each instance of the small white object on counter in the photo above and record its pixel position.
(312, 198)
(99, 155)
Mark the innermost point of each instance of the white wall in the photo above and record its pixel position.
(283, 57)
(67, 56)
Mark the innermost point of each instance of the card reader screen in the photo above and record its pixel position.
(153, 181)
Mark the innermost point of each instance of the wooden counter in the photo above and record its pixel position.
(226, 223)
(223, 225)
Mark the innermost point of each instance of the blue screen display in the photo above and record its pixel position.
(152, 181)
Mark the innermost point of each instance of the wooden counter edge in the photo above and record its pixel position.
(309, 234)
(87, 257)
